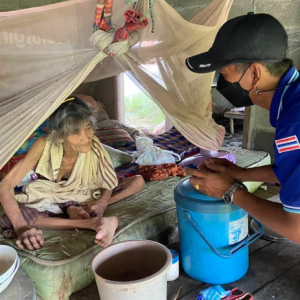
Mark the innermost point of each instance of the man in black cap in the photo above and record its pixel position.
(250, 53)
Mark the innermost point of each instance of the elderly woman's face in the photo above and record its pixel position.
(81, 140)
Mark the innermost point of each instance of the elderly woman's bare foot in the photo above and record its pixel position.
(77, 212)
(105, 228)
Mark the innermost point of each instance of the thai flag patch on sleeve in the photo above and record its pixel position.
(287, 144)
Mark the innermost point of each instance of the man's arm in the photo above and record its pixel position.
(270, 214)
(259, 174)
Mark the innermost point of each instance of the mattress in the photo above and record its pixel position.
(62, 266)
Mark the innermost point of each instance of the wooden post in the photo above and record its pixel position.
(231, 126)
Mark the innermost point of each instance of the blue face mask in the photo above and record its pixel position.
(233, 92)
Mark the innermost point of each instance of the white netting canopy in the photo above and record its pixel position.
(47, 52)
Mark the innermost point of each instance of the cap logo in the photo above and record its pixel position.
(204, 66)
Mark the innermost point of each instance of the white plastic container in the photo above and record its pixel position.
(7, 282)
(208, 153)
(173, 272)
(132, 270)
(8, 262)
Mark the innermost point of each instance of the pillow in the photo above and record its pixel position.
(113, 136)
(97, 108)
(27, 144)
(119, 158)
(43, 129)
(108, 124)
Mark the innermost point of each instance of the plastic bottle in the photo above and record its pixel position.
(173, 272)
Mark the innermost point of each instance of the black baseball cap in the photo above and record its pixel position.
(244, 39)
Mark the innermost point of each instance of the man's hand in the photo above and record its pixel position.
(222, 166)
(30, 237)
(209, 183)
(96, 209)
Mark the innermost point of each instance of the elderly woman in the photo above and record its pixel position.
(76, 178)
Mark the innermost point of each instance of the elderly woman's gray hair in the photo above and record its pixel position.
(70, 118)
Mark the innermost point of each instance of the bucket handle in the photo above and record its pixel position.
(246, 242)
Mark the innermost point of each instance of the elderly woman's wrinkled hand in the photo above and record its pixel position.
(32, 238)
(212, 184)
(96, 209)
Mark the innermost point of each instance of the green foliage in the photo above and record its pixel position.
(142, 112)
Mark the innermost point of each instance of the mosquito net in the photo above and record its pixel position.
(47, 52)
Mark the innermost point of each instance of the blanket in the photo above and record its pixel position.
(92, 172)
(160, 172)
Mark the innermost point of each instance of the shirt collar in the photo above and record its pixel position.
(275, 104)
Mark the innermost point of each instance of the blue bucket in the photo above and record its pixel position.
(214, 238)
